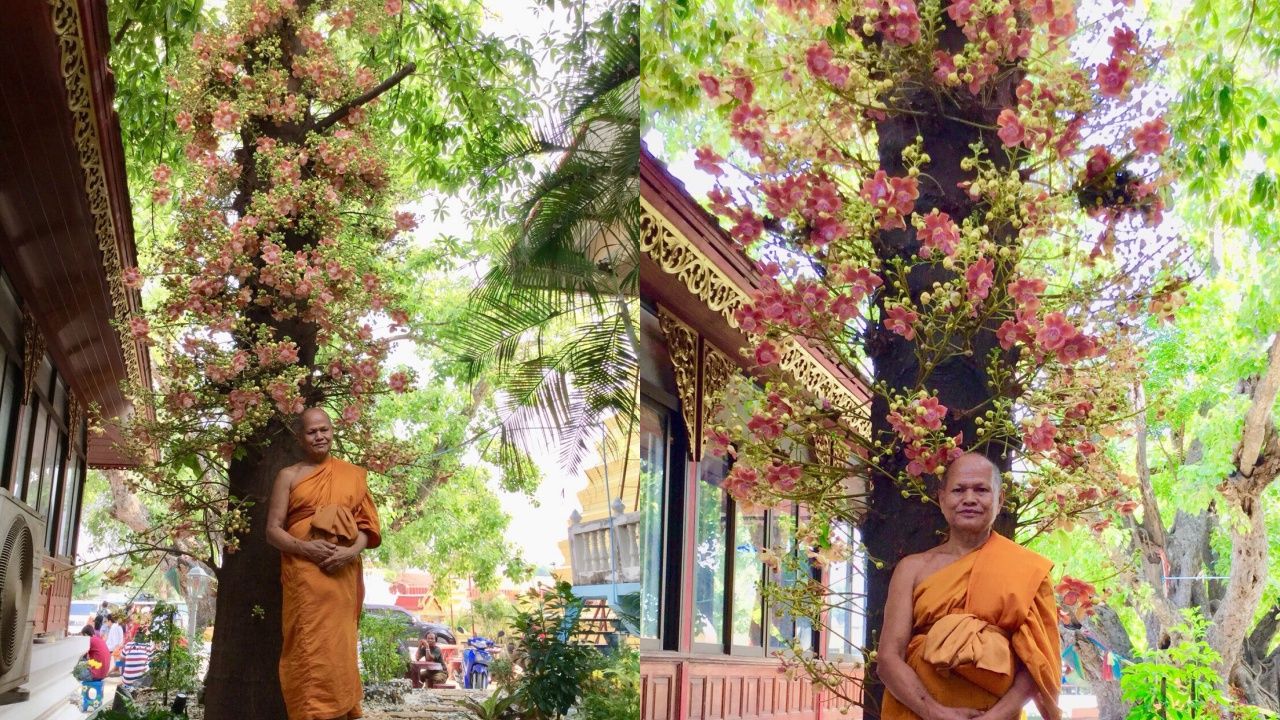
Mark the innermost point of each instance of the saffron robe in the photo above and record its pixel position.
(973, 619)
(318, 672)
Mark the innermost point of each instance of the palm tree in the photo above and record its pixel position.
(555, 314)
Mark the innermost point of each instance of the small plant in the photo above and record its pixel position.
(503, 704)
(380, 658)
(174, 664)
(503, 671)
(556, 662)
(1180, 683)
(612, 690)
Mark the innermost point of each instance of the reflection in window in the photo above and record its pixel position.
(709, 553)
(748, 606)
(653, 475)
(846, 620)
(782, 528)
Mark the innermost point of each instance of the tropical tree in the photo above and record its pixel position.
(276, 226)
(947, 201)
(554, 316)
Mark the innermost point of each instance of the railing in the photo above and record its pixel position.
(594, 556)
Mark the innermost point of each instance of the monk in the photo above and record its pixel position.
(321, 517)
(970, 627)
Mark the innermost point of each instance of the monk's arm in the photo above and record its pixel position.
(343, 555)
(1010, 705)
(315, 550)
(891, 656)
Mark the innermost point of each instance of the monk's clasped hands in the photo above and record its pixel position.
(339, 557)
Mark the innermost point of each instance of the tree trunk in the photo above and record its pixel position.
(244, 674)
(1105, 625)
(1249, 556)
(949, 123)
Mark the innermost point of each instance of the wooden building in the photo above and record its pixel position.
(65, 236)
(707, 633)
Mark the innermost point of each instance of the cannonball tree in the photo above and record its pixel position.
(958, 202)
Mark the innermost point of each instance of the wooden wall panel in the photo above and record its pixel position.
(714, 688)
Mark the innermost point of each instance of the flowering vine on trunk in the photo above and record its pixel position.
(963, 211)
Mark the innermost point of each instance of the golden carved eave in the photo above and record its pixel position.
(80, 101)
(682, 344)
(675, 254)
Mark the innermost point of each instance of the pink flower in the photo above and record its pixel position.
(183, 121)
(747, 318)
(764, 427)
(718, 443)
(826, 231)
(1026, 292)
(185, 400)
(708, 162)
(899, 22)
(1040, 437)
(980, 277)
(1113, 76)
(938, 233)
(748, 229)
(818, 59)
(287, 353)
(1009, 333)
(224, 118)
(824, 199)
(961, 11)
(1152, 138)
(901, 321)
(1098, 162)
(1123, 42)
(1054, 331)
(393, 7)
(132, 277)
(933, 413)
(944, 67)
(742, 480)
(782, 477)
(406, 221)
(743, 89)
(1011, 131)
(139, 328)
(845, 308)
(710, 85)
(892, 197)
(161, 174)
(767, 354)
(863, 282)
(350, 414)
(1077, 348)
(398, 382)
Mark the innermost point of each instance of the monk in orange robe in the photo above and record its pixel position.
(971, 626)
(321, 517)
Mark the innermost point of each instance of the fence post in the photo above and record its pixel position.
(1164, 698)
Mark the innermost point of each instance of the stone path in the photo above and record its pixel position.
(426, 705)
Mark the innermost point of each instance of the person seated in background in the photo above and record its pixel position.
(430, 652)
(136, 659)
(99, 656)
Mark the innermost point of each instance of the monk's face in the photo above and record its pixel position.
(970, 497)
(317, 432)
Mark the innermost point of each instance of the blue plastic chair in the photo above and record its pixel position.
(85, 687)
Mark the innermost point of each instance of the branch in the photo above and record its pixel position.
(1256, 420)
(1150, 511)
(369, 96)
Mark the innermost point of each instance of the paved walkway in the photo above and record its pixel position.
(427, 705)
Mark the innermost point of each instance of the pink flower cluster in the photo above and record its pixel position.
(1113, 76)
(820, 59)
(938, 233)
(919, 425)
(892, 197)
(897, 21)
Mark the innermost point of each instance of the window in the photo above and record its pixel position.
(846, 588)
(748, 574)
(654, 454)
(710, 569)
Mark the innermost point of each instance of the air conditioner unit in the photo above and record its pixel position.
(21, 530)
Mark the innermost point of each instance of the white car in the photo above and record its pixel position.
(81, 614)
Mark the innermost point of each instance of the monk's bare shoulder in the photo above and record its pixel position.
(290, 474)
(909, 568)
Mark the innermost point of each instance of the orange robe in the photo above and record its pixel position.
(318, 671)
(973, 619)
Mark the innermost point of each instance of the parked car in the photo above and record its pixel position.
(415, 629)
(80, 614)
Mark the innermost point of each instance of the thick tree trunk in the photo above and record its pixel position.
(949, 123)
(244, 676)
(1105, 626)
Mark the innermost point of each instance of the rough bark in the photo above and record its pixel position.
(893, 525)
(1105, 626)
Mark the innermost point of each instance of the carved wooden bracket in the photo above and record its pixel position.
(682, 344)
(33, 349)
(717, 368)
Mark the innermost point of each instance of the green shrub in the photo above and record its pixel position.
(380, 658)
(175, 664)
(612, 690)
(1180, 683)
(556, 662)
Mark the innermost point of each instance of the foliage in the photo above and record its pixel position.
(554, 314)
(157, 713)
(501, 704)
(175, 662)
(555, 662)
(1180, 683)
(380, 657)
(503, 671)
(488, 616)
(612, 690)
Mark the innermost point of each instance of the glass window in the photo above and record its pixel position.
(748, 572)
(70, 496)
(31, 467)
(9, 398)
(709, 553)
(782, 541)
(653, 482)
(55, 450)
(846, 587)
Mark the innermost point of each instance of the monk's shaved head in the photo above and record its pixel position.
(971, 461)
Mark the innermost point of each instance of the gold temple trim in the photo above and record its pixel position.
(682, 344)
(675, 254)
(75, 73)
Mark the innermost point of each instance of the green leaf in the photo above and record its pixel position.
(1224, 101)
